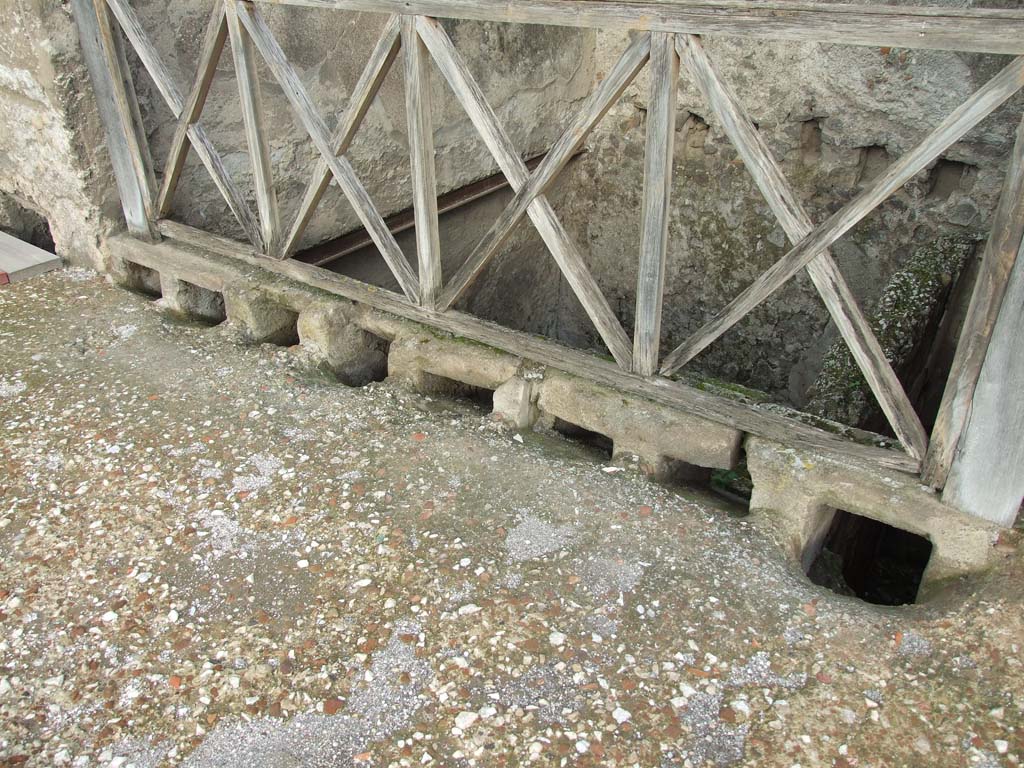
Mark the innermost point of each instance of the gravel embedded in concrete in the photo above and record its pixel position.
(212, 556)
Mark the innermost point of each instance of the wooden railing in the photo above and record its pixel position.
(669, 42)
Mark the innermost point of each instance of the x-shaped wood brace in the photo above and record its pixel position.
(811, 243)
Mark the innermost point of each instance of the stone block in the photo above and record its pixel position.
(515, 402)
(259, 319)
(637, 425)
(415, 359)
(328, 335)
(798, 493)
(191, 300)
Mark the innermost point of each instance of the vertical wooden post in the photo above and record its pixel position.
(115, 99)
(650, 287)
(255, 130)
(421, 153)
(1001, 252)
(986, 478)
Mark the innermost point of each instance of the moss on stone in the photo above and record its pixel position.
(909, 301)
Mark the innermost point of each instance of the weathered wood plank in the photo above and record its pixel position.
(951, 130)
(421, 154)
(20, 260)
(823, 271)
(986, 478)
(132, 98)
(713, 408)
(255, 131)
(363, 94)
(543, 216)
(596, 106)
(997, 264)
(209, 56)
(357, 195)
(650, 278)
(937, 27)
(107, 83)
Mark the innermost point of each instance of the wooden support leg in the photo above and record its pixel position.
(986, 478)
(421, 148)
(255, 130)
(1000, 258)
(650, 285)
(127, 155)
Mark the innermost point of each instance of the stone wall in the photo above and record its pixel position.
(53, 165)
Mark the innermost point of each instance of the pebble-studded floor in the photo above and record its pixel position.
(211, 557)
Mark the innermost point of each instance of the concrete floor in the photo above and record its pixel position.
(211, 556)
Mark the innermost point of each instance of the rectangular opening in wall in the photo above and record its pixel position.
(143, 280)
(599, 444)
(480, 397)
(868, 559)
(202, 304)
(735, 486)
(731, 488)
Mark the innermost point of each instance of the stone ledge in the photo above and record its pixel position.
(798, 493)
(795, 490)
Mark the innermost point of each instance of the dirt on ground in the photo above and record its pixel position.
(212, 555)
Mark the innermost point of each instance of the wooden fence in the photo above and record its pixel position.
(669, 41)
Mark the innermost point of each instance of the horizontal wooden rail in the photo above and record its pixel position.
(941, 28)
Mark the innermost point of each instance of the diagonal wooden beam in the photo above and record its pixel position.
(255, 130)
(209, 57)
(540, 211)
(650, 280)
(365, 91)
(229, 190)
(952, 129)
(147, 53)
(823, 271)
(421, 154)
(597, 105)
(357, 195)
